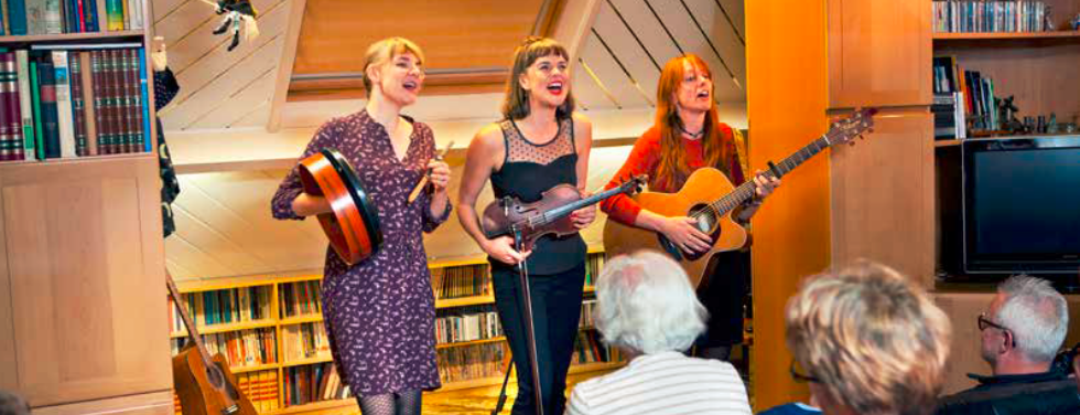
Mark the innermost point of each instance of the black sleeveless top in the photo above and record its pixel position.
(528, 171)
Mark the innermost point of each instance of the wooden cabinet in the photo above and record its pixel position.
(83, 274)
(882, 196)
(879, 53)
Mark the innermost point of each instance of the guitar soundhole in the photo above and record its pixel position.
(214, 375)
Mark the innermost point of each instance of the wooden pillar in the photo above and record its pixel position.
(787, 97)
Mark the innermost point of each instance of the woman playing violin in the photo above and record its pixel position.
(541, 143)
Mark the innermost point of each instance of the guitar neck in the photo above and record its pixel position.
(746, 190)
(193, 333)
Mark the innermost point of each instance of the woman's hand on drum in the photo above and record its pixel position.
(502, 249)
(440, 175)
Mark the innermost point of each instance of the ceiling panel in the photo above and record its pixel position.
(628, 49)
(690, 39)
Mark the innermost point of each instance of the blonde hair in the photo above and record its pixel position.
(644, 303)
(874, 340)
(385, 50)
(516, 102)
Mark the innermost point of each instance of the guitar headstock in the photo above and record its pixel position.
(855, 125)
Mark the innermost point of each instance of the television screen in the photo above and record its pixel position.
(1022, 205)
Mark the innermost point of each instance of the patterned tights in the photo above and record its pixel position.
(404, 403)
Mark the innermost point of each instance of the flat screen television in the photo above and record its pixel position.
(1021, 205)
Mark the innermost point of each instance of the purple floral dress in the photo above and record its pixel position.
(379, 314)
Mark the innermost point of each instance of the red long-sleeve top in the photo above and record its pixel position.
(645, 159)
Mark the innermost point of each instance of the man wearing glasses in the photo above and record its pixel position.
(1021, 333)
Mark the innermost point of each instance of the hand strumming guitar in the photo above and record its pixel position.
(680, 230)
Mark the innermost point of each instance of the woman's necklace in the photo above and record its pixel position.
(692, 135)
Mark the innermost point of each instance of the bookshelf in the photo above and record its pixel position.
(81, 252)
(1033, 67)
(232, 312)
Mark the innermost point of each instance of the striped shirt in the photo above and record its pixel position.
(664, 383)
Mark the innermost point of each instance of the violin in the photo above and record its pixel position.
(527, 222)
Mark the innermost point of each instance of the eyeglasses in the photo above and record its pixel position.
(985, 322)
(797, 373)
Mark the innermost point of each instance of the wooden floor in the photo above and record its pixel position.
(475, 401)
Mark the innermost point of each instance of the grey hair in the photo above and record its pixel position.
(645, 304)
(1036, 314)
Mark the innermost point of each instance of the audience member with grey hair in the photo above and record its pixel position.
(646, 307)
(1021, 333)
(12, 404)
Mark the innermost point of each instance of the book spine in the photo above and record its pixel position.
(49, 117)
(10, 149)
(17, 17)
(65, 122)
(54, 17)
(88, 103)
(14, 121)
(35, 16)
(26, 99)
(115, 11)
(35, 91)
(101, 107)
(78, 104)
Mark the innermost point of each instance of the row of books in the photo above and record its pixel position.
(243, 348)
(66, 101)
(305, 341)
(313, 383)
(301, 298)
(990, 16)
(949, 118)
(471, 362)
(466, 325)
(589, 349)
(260, 387)
(49, 17)
(235, 305)
(976, 101)
(463, 281)
(587, 318)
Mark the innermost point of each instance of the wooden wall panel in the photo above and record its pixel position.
(9, 373)
(218, 87)
(786, 109)
(607, 69)
(879, 53)
(215, 94)
(883, 196)
(679, 22)
(84, 302)
(157, 403)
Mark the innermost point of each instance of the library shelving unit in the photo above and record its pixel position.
(81, 253)
(270, 330)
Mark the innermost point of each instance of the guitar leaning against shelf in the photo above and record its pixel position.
(205, 385)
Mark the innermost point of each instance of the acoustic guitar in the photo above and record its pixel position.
(353, 224)
(204, 384)
(709, 197)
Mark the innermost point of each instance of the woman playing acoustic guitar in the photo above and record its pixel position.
(380, 313)
(687, 135)
(541, 143)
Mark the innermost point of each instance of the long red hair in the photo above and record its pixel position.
(718, 144)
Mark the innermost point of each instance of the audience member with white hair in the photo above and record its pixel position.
(1021, 333)
(868, 341)
(646, 307)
